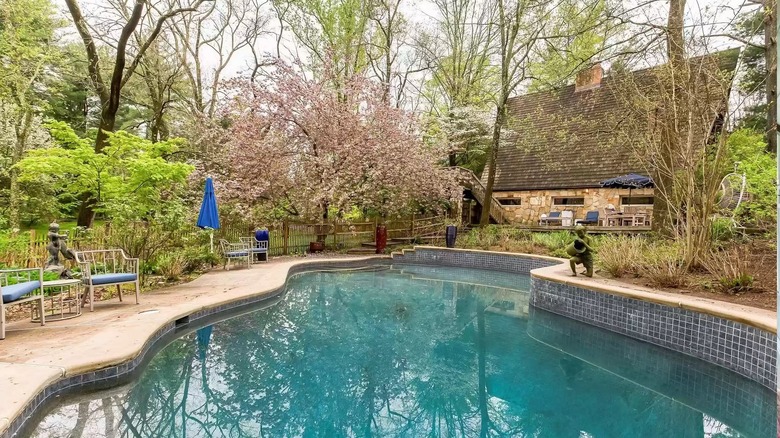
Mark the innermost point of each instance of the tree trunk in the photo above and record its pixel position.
(770, 41)
(22, 134)
(484, 218)
(109, 99)
(675, 47)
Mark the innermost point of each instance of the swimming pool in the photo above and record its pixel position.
(414, 351)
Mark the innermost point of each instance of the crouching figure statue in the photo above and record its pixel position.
(581, 252)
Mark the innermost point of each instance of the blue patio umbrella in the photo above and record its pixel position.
(208, 218)
(630, 182)
(204, 337)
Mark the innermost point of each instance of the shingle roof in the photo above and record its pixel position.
(566, 139)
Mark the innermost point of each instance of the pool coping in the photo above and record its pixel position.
(560, 273)
(27, 385)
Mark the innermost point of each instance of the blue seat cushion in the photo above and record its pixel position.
(109, 278)
(15, 291)
(259, 250)
(237, 254)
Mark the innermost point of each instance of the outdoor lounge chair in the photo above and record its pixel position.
(235, 251)
(108, 267)
(19, 286)
(257, 248)
(591, 218)
(554, 217)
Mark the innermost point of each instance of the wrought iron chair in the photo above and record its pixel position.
(235, 251)
(108, 267)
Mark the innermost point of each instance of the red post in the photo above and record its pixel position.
(381, 238)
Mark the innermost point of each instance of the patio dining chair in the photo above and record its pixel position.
(554, 217)
(591, 218)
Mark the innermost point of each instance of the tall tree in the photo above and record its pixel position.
(27, 49)
(520, 24)
(215, 35)
(110, 92)
(333, 31)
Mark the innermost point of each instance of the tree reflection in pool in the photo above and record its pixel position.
(416, 351)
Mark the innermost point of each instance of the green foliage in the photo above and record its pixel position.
(585, 22)
(555, 242)
(747, 151)
(14, 248)
(730, 267)
(132, 179)
(171, 265)
(753, 82)
(722, 229)
(621, 256)
(664, 265)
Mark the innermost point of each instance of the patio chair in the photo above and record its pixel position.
(257, 248)
(108, 267)
(235, 251)
(555, 217)
(19, 286)
(591, 218)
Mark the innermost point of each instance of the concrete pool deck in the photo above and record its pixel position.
(33, 357)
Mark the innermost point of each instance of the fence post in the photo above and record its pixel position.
(31, 256)
(285, 237)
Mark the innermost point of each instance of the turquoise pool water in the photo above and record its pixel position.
(415, 352)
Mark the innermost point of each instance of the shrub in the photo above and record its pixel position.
(621, 256)
(555, 242)
(663, 265)
(171, 265)
(199, 257)
(722, 229)
(730, 267)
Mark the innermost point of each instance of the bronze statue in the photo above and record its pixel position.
(57, 245)
(581, 252)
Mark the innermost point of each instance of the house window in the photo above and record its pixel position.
(569, 201)
(509, 201)
(636, 200)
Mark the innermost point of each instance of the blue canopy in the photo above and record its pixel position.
(630, 181)
(209, 216)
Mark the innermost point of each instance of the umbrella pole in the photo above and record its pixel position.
(211, 241)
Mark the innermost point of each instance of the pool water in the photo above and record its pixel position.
(413, 352)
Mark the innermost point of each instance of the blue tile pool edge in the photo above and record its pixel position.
(115, 374)
(741, 348)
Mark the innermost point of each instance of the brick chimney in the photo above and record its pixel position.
(589, 78)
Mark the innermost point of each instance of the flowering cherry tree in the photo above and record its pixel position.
(309, 147)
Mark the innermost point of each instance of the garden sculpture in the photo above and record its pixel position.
(57, 245)
(581, 252)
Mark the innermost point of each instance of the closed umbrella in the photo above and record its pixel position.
(630, 182)
(208, 218)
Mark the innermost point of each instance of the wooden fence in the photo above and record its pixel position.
(285, 238)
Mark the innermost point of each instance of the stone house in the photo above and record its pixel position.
(567, 142)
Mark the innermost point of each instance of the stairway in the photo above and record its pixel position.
(470, 181)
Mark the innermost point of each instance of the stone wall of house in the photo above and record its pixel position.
(534, 203)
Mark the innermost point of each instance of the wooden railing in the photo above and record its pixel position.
(471, 181)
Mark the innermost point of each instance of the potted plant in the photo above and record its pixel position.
(321, 231)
